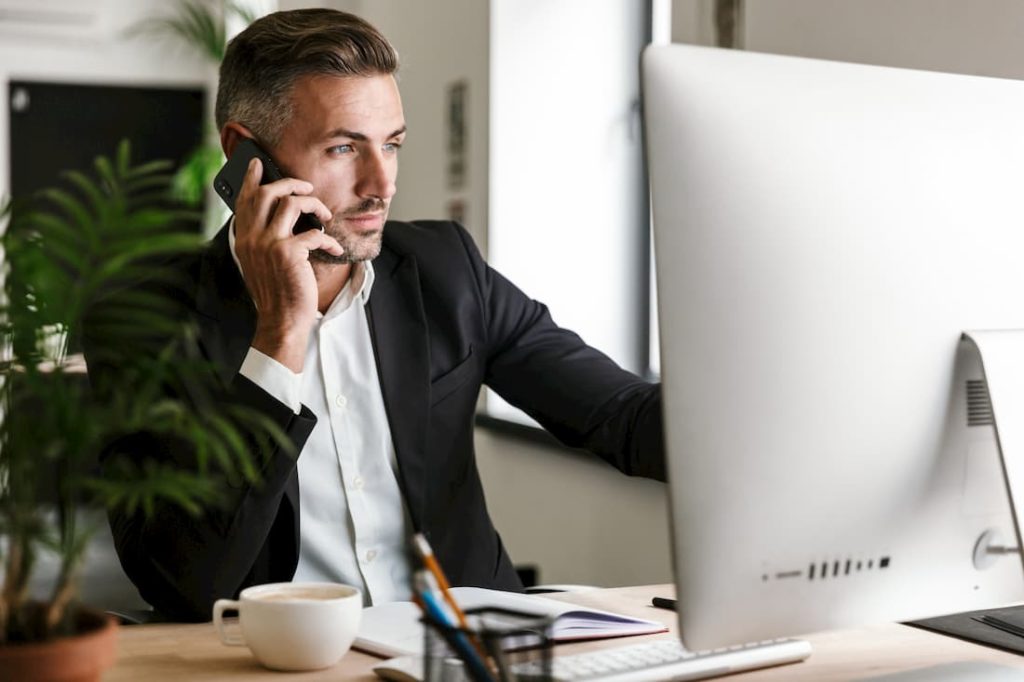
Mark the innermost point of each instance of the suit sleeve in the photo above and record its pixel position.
(182, 563)
(580, 395)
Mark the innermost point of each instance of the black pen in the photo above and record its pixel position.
(664, 603)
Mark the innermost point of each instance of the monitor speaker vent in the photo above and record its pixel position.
(979, 407)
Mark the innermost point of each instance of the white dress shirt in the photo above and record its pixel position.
(352, 519)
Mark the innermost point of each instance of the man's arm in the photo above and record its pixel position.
(576, 392)
(182, 563)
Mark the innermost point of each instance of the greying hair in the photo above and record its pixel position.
(263, 62)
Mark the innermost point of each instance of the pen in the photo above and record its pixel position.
(456, 639)
(664, 603)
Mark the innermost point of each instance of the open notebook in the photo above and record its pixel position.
(394, 629)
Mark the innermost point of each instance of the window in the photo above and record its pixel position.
(568, 202)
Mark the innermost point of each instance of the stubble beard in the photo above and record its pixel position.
(357, 247)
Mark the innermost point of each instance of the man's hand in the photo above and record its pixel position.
(275, 262)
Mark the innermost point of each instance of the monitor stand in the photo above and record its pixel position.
(1002, 361)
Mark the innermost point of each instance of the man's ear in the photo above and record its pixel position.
(231, 134)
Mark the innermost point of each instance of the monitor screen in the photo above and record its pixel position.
(824, 233)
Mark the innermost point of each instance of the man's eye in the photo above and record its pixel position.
(341, 149)
(392, 146)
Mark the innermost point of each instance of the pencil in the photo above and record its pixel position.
(456, 639)
(430, 561)
(426, 554)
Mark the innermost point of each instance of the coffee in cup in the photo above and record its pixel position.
(294, 626)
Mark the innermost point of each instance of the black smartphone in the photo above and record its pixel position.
(228, 182)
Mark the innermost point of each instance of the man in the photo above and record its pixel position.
(367, 343)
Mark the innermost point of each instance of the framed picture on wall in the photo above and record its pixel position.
(456, 119)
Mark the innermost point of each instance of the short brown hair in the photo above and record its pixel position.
(263, 62)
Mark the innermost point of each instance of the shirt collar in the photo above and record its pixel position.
(362, 277)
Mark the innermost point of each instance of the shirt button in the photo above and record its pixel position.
(357, 483)
(371, 555)
(340, 400)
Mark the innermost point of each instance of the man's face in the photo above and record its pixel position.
(343, 138)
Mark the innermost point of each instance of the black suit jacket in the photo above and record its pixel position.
(442, 323)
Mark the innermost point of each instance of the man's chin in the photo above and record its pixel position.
(347, 258)
(358, 246)
(321, 256)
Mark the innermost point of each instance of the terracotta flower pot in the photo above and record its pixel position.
(78, 658)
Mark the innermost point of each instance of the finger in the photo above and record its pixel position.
(269, 198)
(246, 199)
(314, 240)
(253, 173)
(287, 213)
(259, 206)
(274, 191)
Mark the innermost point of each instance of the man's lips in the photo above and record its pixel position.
(366, 220)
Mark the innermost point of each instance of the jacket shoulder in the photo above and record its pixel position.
(440, 247)
(419, 236)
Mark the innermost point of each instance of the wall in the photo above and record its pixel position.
(981, 37)
(691, 22)
(95, 52)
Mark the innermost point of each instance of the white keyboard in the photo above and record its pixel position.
(668, 660)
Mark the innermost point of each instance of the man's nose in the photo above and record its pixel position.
(377, 176)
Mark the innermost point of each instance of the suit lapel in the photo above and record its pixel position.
(398, 330)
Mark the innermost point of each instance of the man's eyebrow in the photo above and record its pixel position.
(359, 137)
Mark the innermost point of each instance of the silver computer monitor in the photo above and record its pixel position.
(823, 234)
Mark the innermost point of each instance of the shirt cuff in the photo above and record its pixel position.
(273, 377)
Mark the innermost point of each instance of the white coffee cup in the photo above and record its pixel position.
(294, 626)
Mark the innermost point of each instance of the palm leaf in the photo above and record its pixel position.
(156, 167)
(72, 207)
(122, 157)
(133, 488)
(109, 180)
(196, 174)
(134, 185)
(195, 24)
(97, 200)
(156, 246)
(234, 445)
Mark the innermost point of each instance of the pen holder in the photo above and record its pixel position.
(497, 645)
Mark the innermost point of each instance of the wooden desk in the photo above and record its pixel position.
(154, 653)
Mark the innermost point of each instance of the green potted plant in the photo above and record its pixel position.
(95, 240)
